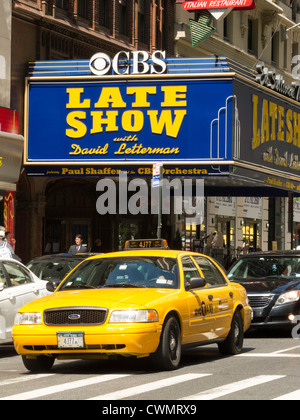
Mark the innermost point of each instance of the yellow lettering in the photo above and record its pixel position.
(110, 95)
(74, 98)
(273, 115)
(296, 129)
(78, 129)
(174, 96)
(132, 121)
(289, 134)
(256, 131)
(165, 121)
(265, 132)
(280, 123)
(98, 120)
(141, 93)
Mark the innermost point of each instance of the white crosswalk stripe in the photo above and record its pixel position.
(292, 396)
(221, 391)
(63, 387)
(152, 386)
(26, 378)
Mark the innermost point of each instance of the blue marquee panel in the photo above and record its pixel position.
(179, 119)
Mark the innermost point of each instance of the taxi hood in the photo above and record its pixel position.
(112, 298)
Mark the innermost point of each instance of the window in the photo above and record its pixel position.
(252, 36)
(83, 8)
(189, 269)
(275, 48)
(210, 272)
(18, 275)
(103, 12)
(62, 4)
(123, 17)
(141, 21)
(3, 281)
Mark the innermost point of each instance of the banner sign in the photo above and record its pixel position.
(215, 4)
(109, 119)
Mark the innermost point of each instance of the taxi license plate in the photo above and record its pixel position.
(70, 340)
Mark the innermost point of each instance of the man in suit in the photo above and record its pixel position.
(78, 248)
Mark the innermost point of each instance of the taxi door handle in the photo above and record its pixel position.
(231, 294)
(210, 297)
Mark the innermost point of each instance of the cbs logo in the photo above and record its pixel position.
(123, 64)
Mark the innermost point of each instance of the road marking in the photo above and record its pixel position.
(279, 355)
(282, 351)
(292, 396)
(218, 392)
(152, 386)
(63, 387)
(24, 378)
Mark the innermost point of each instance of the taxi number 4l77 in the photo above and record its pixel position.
(70, 340)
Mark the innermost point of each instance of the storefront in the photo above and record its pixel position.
(202, 118)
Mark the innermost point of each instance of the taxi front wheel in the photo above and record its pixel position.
(168, 354)
(234, 341)
(40, 364)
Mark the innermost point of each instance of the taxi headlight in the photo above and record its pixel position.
(28, 318)
(288, 297)
(131, 316)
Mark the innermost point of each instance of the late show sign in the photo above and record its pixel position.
(133, 113)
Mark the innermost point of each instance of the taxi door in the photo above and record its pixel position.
(201, 316)
(220, 294)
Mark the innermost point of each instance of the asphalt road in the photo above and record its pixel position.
(267, 369)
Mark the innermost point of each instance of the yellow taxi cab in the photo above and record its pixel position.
(139, 302)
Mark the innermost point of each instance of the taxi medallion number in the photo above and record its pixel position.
(70, 340)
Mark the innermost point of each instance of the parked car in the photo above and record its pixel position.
(134, 303)
(55, 267)
(272, 281)
(18, 286)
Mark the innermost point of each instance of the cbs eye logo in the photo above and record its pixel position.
(100, 64)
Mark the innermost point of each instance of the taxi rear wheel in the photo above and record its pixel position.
(40, 364)
(234, 341)
(168, 354)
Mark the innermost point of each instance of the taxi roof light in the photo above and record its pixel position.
(146, 244)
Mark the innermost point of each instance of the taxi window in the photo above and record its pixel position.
(189, 269)
(211, 273)
(17, 274)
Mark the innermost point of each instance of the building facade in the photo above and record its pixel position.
(51, 210)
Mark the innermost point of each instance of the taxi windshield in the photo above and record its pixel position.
(124, 272)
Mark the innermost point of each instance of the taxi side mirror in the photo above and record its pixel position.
(195, 283)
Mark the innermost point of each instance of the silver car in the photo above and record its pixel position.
(18, 286)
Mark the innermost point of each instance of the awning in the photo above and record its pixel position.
(11, 152)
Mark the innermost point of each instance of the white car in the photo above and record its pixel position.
(18, 286)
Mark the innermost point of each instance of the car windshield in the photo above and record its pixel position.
(265, 266)
(118, 272)
(51, 269)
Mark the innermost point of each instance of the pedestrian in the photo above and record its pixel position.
(10, 240)
(97, 246)
(78, 247)
(6, 250)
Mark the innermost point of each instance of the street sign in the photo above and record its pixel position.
(156, 174)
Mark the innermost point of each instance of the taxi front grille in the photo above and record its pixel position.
(75, 316)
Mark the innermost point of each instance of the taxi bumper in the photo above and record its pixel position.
(34, 341)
